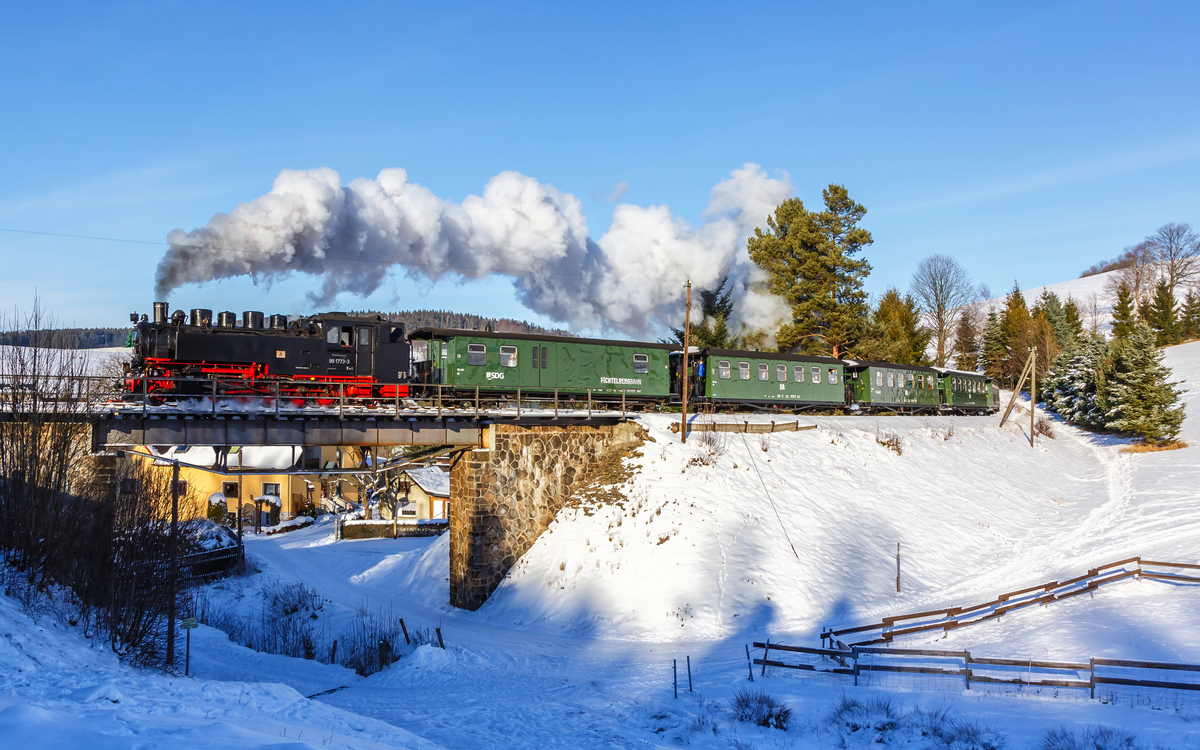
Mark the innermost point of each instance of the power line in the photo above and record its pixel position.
(81, 236)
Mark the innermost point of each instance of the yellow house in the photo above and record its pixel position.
(259, 473)
(426, 494)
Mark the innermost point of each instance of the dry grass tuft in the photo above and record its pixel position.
(1154, 447)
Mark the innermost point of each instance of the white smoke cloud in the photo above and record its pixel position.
(631, 280)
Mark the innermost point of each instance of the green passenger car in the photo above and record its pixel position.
(730, 376)
(883, 386)
(966, 392)
(538, 363)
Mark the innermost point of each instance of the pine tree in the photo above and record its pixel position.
(1074, 387)
(809, 260)
(1014, 324)
(1052, 308)
(1189, 323)
(1162, 315)
(1074, 319)
(966, 346)
(1123, 319)
(992, 353)
(713, 327)
(895, 333)
(1142, 399)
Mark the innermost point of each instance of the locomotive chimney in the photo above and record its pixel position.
(160, 312)
(252, 319)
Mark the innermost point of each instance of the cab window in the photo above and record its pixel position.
(798, 373)
(333, 335)
(508, 356)
(781, 373)
(641, 363)
(476, 354)
(743, 370)
(723, 369)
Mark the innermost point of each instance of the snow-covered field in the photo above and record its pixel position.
(778, 536)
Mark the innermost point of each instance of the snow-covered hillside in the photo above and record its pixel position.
(767, 536)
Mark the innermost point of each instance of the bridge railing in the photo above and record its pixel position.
(102, 395)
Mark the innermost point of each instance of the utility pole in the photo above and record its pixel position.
(687, 329)
(174, 562)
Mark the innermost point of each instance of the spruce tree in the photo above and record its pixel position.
(1074, 318)
(1052, 308)
(966, 347)
(1189, 323)
(895, 332)
(809, 260)
(713, 327)
(992, 353)
(1074, 387)
(1162, 314)
(1014, 325)
(1123, 319)
(1143, 400)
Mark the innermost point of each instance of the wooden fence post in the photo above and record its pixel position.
(766, 649)
(1092, 681)
(967, 668)
(675, 676)
(749, 663)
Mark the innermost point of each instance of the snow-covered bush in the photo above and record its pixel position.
(878, 721)
(761, 708)
(293, 524)
(1089, 738)
(204, 535)
(851, 714)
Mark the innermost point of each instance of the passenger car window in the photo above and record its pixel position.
(764, 371)
(476, 354)
(723, 369)
(641, 363)
(743, 370)
(781, 373)
(816, 374)
(891, 379)
(798, 373)
(833, 375)
(879, 378)
(910, 380)
(508, 356)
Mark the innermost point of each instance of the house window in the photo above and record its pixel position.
(833, 375)
(641, 363)
(508, 356)
(229, 489)
(891, 379)
(879, 378)
(743, 370)
(816, 374)
(781, 373)
(798, 373)
(764, 371)
(723, 369)
(476, 354)
(270, 488)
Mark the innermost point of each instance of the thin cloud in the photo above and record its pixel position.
(619, 190)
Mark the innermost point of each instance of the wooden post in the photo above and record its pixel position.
(556, 403)
(897, 567)
(675, 676)
(1092, 681)
(749, 663)
(967, 668)
(589, 390)
(518, 403)
(766, 650)
(622, 403)
(687, 324)
(174, 562)
(1013, 400)
(1032, 392)
(407, 640)
(476, 403)
(689, 668)
(440, 641)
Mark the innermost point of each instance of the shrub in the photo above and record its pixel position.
(1044, 427)
(890, 440)
(1091, 738)
(877, 714)
(758, 707)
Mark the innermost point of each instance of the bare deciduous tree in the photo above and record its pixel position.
(1140, 275)
(942, 286)
(1177, 251)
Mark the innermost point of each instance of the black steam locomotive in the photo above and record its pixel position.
(321, 355)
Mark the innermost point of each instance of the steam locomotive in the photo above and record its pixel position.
(319, 355)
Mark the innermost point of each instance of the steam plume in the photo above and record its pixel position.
(349, 237)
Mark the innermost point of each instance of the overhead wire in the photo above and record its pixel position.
(768, 494)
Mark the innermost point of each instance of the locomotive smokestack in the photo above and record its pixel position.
(160, 312)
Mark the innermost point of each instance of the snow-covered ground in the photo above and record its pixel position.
(775, 537)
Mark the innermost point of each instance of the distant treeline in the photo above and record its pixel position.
(69, 338)
(414, 319)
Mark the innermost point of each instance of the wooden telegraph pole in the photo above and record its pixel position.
(1030, 371)
(687, 329)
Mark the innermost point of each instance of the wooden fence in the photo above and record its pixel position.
(951, 618)
(745, 427)
(858, 661)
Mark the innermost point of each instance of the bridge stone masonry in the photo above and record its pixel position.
(505, 494)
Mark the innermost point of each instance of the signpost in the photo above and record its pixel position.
(188, 624)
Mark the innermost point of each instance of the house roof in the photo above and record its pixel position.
(431, 479)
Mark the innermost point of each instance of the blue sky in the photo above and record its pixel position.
(1029, 140)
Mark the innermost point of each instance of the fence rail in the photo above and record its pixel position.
(745, 426)
(951, 618)
(857, 661)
